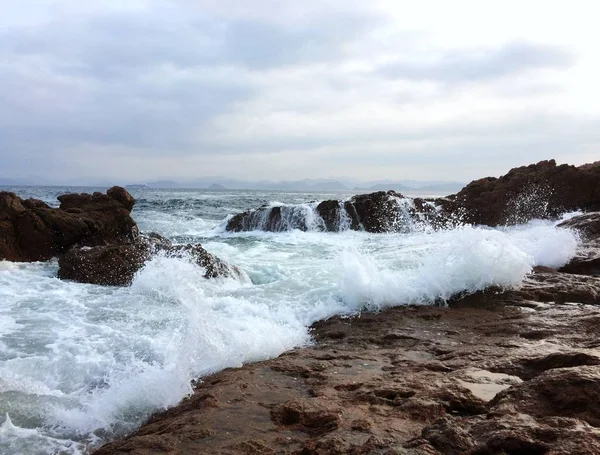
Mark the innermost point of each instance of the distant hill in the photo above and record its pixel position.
(385, 187)
(216, 186)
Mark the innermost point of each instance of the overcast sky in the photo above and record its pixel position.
(265, 89)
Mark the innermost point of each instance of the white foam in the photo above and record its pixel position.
(80, 360)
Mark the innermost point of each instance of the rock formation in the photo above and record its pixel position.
(542, 190)
(116, 265)
(30, 230)
(94, 235)
(374, 212)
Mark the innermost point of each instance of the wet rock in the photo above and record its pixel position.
(110, 265)
(542, 190)
(373, 212)
(560, 288)
(588, 224)
(116, 265)
(587, 257)
(32, 231)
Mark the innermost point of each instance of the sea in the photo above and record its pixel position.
(82, 364)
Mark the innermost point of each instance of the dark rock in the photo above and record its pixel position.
(32, 231)
(587, 257)
(111, 265)
(116, 265)
(121, 195)
(587, 224)
(374, 212)
(542, 190)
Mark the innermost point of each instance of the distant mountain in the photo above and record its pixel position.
(216, 186)
(384, 187)
(9, 182)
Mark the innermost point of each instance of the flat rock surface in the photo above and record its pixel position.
(493, 378)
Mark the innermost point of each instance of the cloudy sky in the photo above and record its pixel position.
(265, 89)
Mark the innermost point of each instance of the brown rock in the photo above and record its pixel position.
(32, 231)
(542, 190)
(561, 392)
(116, 265)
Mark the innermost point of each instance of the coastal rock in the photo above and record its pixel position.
(587, 224)
(32, 231)
(116, 265)
(407, 380)
(560, 392)
(542, 190)
(587, 257)
(373, 212)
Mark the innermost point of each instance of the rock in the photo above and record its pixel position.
(116, 265)
(560, 392)
(374, 212)
(121, 195)
(512, 434)
(586, 260)
(542, 190)
(560, 288)
(110, 265)
(587, 224)
(32, 231)
(545, 285)
(587, 257)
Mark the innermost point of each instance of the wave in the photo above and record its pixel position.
(99, 361)
(374, 212)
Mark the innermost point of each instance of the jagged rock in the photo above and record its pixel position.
(542, 190)
(374, 212)
(32, 231)
(110, 265)
(116, 265)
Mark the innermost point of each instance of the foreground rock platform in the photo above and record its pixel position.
(487, 379)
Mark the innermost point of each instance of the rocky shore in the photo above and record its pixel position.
(501, 371)
(94, 237)
(484, 376)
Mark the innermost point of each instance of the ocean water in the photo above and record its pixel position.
(83, 364)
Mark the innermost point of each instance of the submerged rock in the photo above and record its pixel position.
(30, 230)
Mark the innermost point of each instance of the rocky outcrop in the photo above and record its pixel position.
(374, 212)
(30, 230)
(587, 257)
(542, 190)
(116, 265)
(409, 380)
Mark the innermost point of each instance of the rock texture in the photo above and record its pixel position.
(30, 230)
(542, 190)
(116, 265)
(94, 235)
(374, 212)
(486, 379)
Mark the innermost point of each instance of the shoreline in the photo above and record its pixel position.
(381, 382)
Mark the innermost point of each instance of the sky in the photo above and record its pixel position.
(286, 90)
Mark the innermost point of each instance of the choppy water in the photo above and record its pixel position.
(81, 364)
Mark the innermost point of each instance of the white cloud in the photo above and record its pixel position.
(259, 89)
